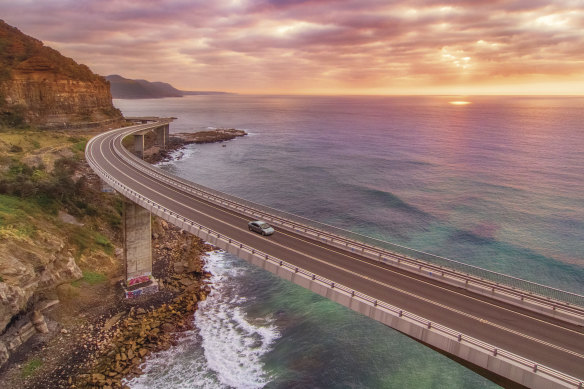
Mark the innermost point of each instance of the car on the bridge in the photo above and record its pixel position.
(260, 227)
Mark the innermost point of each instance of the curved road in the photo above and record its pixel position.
(544, 340)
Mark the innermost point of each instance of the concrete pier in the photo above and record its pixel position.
(138, 250)
(162, 136)
(139, 145)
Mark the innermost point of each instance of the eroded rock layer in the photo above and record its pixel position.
(41, 87)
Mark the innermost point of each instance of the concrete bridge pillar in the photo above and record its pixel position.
(139, 145)
(162, 136)
(137, 250)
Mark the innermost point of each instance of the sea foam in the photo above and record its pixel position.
(226, 348)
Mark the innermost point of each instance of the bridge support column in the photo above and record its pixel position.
(139, 145)
(162, 136)
(137, 251)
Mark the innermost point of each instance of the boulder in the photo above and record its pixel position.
(38, 320)
(4, 354)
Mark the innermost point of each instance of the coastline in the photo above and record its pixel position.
(154, 154)
(97, 340)
(152, 323)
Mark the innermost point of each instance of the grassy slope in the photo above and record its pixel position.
(40, 176)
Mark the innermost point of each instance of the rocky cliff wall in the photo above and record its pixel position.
(41, 87)
(28, 267)
(49, 99)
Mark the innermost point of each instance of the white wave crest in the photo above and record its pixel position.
(233, 345)
(225, 349)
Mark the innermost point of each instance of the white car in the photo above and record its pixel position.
(260, 227)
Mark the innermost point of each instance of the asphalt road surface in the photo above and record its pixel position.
(544, 340)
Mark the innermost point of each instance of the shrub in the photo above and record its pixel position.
(13, 117)
(90, 278)
(30, 367)
(104, 243)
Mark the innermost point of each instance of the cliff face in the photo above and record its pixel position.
(52, 219)
(41, 87)
(28, 267)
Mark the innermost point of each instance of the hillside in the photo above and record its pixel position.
(125, 88)
(64, 321)
(41, 87)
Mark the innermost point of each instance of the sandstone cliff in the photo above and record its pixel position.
(39, 86)
(29, 266)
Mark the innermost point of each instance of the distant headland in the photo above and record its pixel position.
(125, 88)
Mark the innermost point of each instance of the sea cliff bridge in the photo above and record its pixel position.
(523, 333)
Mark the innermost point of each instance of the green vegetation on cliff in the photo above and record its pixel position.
(42, 176)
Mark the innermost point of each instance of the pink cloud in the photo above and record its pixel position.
(317, 44)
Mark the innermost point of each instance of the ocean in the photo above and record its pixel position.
(497, 183)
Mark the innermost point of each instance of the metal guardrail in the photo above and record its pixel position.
(385, 251)
(391, 309)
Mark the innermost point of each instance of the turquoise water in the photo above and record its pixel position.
(497, 183)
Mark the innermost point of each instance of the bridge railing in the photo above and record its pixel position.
(379, 249)
(557, 376)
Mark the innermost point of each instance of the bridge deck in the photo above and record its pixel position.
(547, 341)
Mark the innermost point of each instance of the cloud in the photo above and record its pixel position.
(302, 45)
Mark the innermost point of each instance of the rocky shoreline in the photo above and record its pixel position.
(154, 322)
(179, 140)
(110, 336)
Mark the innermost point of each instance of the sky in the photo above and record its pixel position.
(381, 47)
